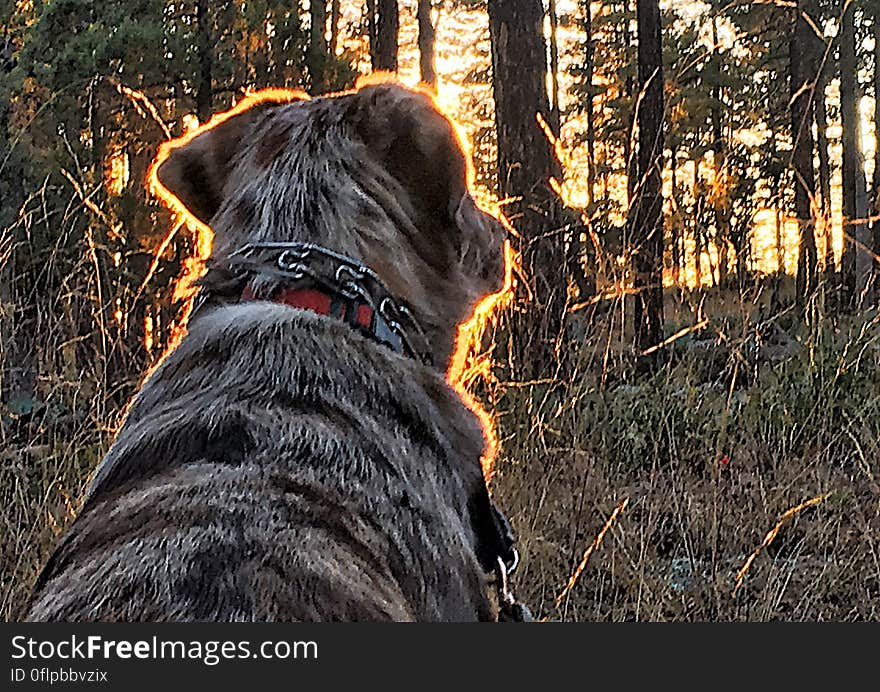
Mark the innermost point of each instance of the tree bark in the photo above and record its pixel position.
(697, 226)
(720, 198)
(675, 239)
(555, 121)
(629, 155)
(316, 57)
(876, 181)
(372, 30)
(821, 115)
(854, 186)
(334, 27)
(427, 68)
(387, 29)
(204, 86)
(526, 162)
(802, 76)
(647, 210)
(589, 58)
(583, 248)
(777, 212)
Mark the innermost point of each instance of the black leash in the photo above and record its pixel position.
(510, 609)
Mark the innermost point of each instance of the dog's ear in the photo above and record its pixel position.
(416, 144)
(195, 168)
(420, 148)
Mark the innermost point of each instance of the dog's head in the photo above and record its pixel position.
(378, 174)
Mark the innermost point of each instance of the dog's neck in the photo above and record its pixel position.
(310, 277)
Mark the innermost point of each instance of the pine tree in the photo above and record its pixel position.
(205, 59)
(387, 29)
(876, 180)
(318, 52)
(646, 213)
(427, 68)
(802, 82)
(856, 262)
(526, 162)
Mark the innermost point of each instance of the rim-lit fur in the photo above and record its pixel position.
(377, 174)
(278, 465)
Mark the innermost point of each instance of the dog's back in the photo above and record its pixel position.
(271, 470)
(279, 465)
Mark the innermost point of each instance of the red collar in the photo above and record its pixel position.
(315, 278)
(356, 313)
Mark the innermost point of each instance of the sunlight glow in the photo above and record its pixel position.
(116, 175)
(471, 362)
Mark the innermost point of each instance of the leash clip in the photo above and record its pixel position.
(510, 610)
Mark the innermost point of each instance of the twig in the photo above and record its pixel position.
(771, 534)
(140, 98)
(675, 337)
(115, 229)
(589, 551)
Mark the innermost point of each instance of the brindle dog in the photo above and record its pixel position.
(281, 464)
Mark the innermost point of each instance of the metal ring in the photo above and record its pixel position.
(351, 271)
(388, 309)
(351, 289)
(296, 270)
(291, 258)
(514, 561)
(405, 311)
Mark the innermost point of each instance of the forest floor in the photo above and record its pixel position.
(738, 482)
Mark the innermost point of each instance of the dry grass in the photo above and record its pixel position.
(60, 276)
(749, 463)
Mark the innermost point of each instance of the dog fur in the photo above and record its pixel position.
(278, 465)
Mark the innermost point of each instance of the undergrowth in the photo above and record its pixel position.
(746, 419)
(719, 447)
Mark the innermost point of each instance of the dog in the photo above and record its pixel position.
(300, 456)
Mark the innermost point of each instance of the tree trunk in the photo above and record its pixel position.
(204, 47)
(720, 197)
(777, 213)
(316, 57)
(647, 211)
(526, 162)
(372, 31)
(334, 27)
(588, 103)
(802, 73)
(675, 234)
(426, 44)
(629, 155)
(876, 194)
(697, 226)
(387, 29)
(821, 115)
(854, 186)
(555, 121)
